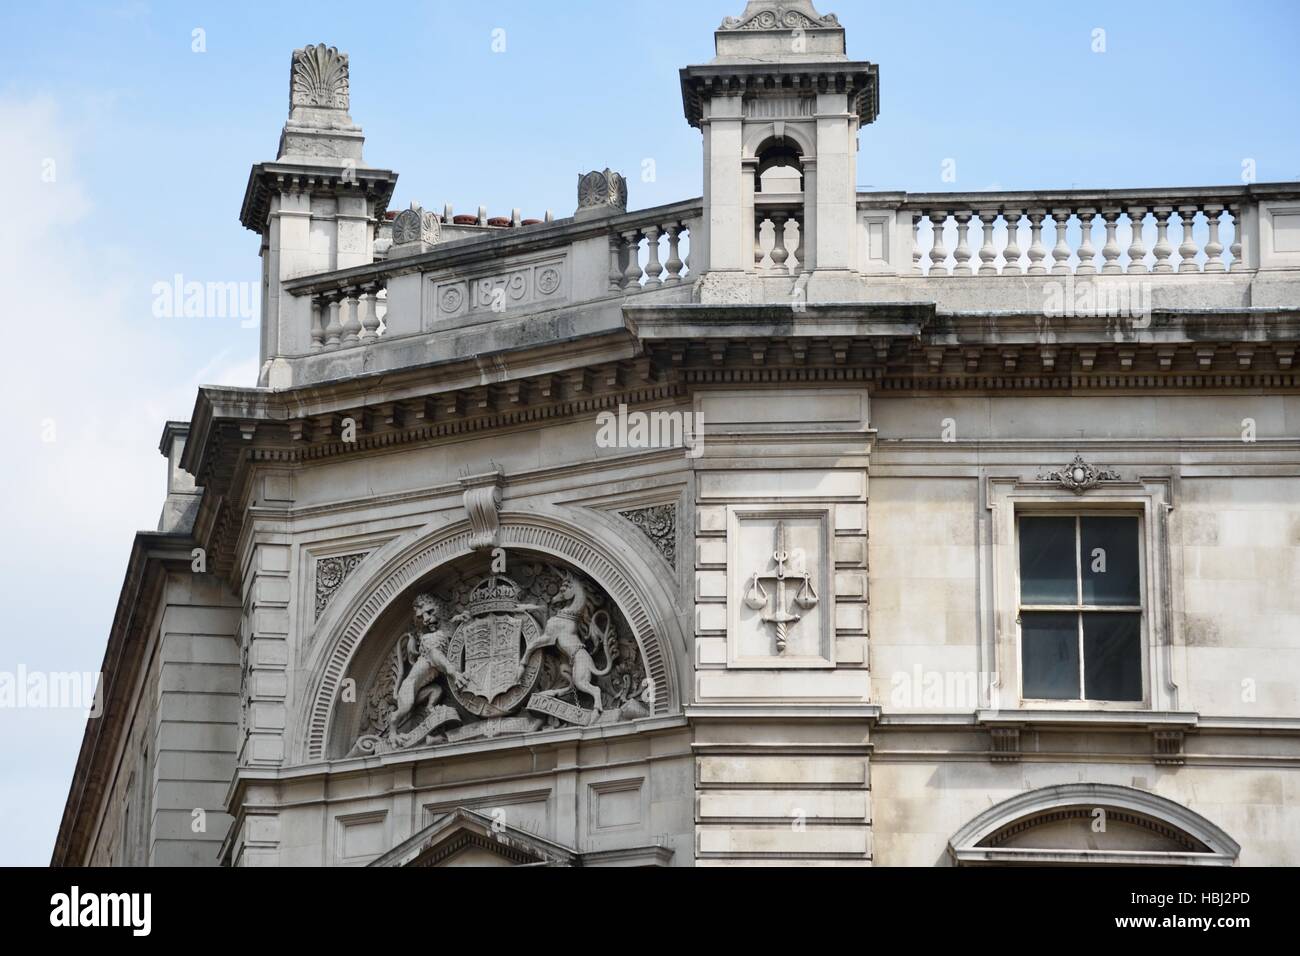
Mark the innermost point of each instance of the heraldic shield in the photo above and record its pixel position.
(488, 649)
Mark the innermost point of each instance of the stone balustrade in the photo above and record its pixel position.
(650, 255)
(1224, 247)
(348, 316)
(1144, 232)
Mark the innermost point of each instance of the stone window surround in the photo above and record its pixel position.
(1149, 499)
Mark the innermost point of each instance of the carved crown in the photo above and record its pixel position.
(493, 594)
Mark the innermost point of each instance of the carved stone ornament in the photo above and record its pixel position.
(319, 78)
(605, 191)
(482, 504)
(659, 524)
(416, 225)
(330, 575)
(780, 15)
(1079, 476)
(789, 590)
(500, 655)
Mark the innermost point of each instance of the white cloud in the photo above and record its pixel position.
(105, 382)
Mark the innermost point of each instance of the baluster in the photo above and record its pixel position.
(1137, 250)
(1011, 254)
(317, 326)
(1237, 248)
(759, 254)
(916, 244)
(616, 263)
(1087, 267)
(1188, 249)
(1214, 248)
(632, 277)
(938, 252)
(780, 254)
(961, 255)
(369, 313)
(1061, 252)
(674, 264)
(1163, 249)
(1037, 251)
(333, 330)
(797, 218)
(988, 254)
(348, 317)
(653, 269)
(1111, 251)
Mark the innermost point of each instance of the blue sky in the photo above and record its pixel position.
(151, 144)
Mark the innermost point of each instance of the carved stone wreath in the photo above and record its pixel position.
(1079, 476)
(502, 654)
(548, 280)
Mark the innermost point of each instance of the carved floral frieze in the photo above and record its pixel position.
(659, 524)
(1079, 476)
(330, 575)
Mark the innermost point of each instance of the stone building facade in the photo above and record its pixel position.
(791, 524)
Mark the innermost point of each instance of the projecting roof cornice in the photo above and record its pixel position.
(268, 179)
(858, 79)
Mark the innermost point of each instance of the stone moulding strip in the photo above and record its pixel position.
(524, 531)
(463, 426)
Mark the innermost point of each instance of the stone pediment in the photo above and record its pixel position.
(468, 838)
(464, 837)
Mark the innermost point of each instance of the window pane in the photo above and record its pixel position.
(1112, 656)
(1050, 656)
(1110, 561)
(1048, 565)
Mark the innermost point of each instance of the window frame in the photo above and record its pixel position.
(1006, 497)
(1079, 608)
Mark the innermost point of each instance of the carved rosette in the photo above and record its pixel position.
(318, 78)
(495, 655)
(659, 524)
(416, 225)
(1079, 476)
(330, 575)
(602, 190)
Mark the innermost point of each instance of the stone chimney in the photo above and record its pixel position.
(317, 206)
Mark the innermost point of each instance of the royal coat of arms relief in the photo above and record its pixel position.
(499, 655)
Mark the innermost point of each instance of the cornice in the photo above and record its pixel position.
(858, 79)
(266, 179)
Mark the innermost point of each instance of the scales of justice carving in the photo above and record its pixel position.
(505, 655)
(786, 576)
